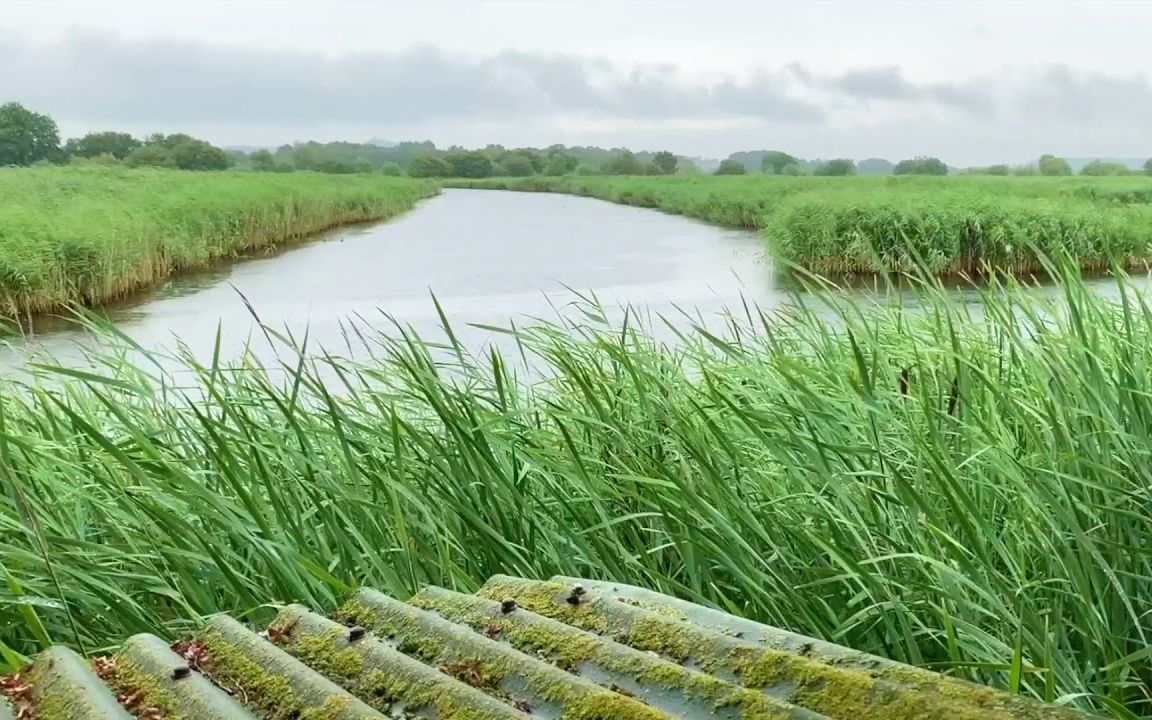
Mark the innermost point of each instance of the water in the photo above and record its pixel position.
(488, 257)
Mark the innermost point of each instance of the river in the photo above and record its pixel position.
(488, 258)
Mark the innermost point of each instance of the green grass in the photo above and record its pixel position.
(92, 235)
(872, 224)
(972, 496)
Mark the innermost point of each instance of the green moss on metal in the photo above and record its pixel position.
(128, 677)
(381, 677)
(409, 639)
(545, 598)
(580, 699)
(840, 692)
(569, 648)
(230, 668)
(962, 691)
(321, 653)
(332, 707)
(59, 691)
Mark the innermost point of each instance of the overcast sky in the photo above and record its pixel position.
(971, 82)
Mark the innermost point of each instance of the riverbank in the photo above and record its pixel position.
(87, 236)
(943, 226)
(969, 496)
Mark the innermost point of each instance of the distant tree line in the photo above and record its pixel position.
(776, 162)
(424, 159)
(28, 138)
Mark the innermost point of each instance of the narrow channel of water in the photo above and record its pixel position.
(488, 257)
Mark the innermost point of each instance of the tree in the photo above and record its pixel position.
(391, 168)
(731, 167)
(1103, 167)
(560, 163)
(792, 169)
(334, 167)
(188, 153)
(26, 137)
(423, 166)
(1052, 165)
(363, 165)
(469, 163)
(774, 162)
(534, 158)
(839, 166)
(998, 170)
(516, 166)
(920, 166)
(116, 144)
(666, 161)
(1148, 166)
(150, 155)
(651, 168)
(262, 161)
(624, 163)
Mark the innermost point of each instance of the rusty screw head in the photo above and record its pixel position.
(508, 605)
(181, 672)
(356, 633)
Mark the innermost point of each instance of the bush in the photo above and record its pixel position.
(731, 167)
(425, 166)
(921, 166)
(1052, 165)
(1099, 168)
(838, 167)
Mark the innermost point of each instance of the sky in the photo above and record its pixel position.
(970, 82)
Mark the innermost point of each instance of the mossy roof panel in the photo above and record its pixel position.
(564, 649)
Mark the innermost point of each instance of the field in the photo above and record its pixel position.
(91, 235)
(969, 496)
(872, 224)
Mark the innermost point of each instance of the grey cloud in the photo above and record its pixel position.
(885, 83)
(98, 78)
(1085, 98)
(889, 84)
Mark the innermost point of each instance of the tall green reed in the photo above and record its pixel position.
(76, 235)
(969, 493)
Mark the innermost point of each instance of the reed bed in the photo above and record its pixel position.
(959, 225)
(93, 235)
(970, 494)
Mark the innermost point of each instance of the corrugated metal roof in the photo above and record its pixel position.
(565, 649)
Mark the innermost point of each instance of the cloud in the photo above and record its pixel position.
(889, 84)
(100, 78)
(263, 96)
(1093, 97)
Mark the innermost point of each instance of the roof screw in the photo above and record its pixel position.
(507, 606)
(575, 595)
(181, 672)
(356, 633)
